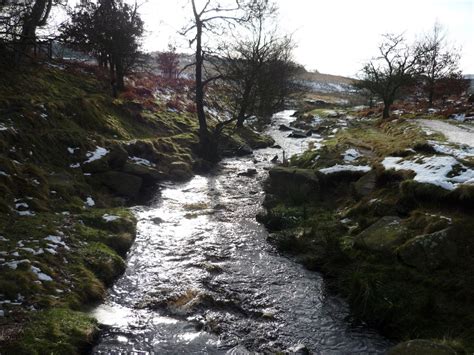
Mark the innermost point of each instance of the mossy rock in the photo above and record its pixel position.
(421, 347)
(430, 251)
(148, 174)
(55, 331)
(295, 184)
(126, 185)
(385, 235)
(366, 184)
(104, 262)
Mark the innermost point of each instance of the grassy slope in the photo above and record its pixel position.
(405, 302)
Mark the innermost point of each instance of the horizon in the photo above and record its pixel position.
(342, 52)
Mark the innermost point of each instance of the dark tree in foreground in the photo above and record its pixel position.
(214, 18)
(109, 30)
(394, 69)
(439, 61)
(19, 22)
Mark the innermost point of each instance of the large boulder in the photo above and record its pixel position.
(148, 174)
(430, 251)
(366, 184)
(123, 184)
(293, 183)
(385, 235)
(117, 157)
(421, 347)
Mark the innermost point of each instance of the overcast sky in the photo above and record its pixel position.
(335, 36)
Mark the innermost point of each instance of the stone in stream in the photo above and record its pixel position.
(250, 172)
(297, 134)
(285, 128)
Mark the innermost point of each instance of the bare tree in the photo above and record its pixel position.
(438, 60)
(394, 69)
(257, 71)
(212, 18)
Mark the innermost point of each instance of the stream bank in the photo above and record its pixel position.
(395, 239)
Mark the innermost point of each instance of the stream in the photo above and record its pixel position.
(201, 277)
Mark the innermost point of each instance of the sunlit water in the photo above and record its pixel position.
(202, 279)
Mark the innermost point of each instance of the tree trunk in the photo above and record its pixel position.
(386, 110)
(199, 84)
(244, 106)
(37, 17)
(120, 75)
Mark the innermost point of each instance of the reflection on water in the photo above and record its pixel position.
(201, 278)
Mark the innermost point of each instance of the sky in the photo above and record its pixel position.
(334, 36)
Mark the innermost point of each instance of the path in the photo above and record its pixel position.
(463, 134)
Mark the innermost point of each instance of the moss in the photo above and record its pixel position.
(57, 331)
(103, 261)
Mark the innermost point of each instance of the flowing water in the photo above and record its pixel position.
(202, 279)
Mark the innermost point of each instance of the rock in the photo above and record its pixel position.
(297, 134)
(124, 184)
(97, 166)
(274, 159)
(385, 235)
(248, 173)
(421, 347)
(117, 157)
(285, 128)
(180, 170)
(430, 251)
(293, 183)
(299, 349)
(244, 150)
(366, 184)
(148, 174)
(276, 146)
(309, 133)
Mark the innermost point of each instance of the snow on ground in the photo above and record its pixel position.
(350, 155)
(90, 202)
(96, 155)
(455, 134)
(340, 168)
(461, 152)
(141, 161)
(110, 218)
(433, 170)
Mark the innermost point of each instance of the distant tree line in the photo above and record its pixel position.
(429, 66)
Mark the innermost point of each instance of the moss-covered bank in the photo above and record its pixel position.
(71, 159)
(399, 250)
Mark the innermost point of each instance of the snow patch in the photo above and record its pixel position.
(110, 218)
(99, 153)
(340, 168)
(433, 170)
(90, 202)
(351, 154)
(141, 161)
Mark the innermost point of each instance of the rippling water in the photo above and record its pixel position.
(201, 278)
